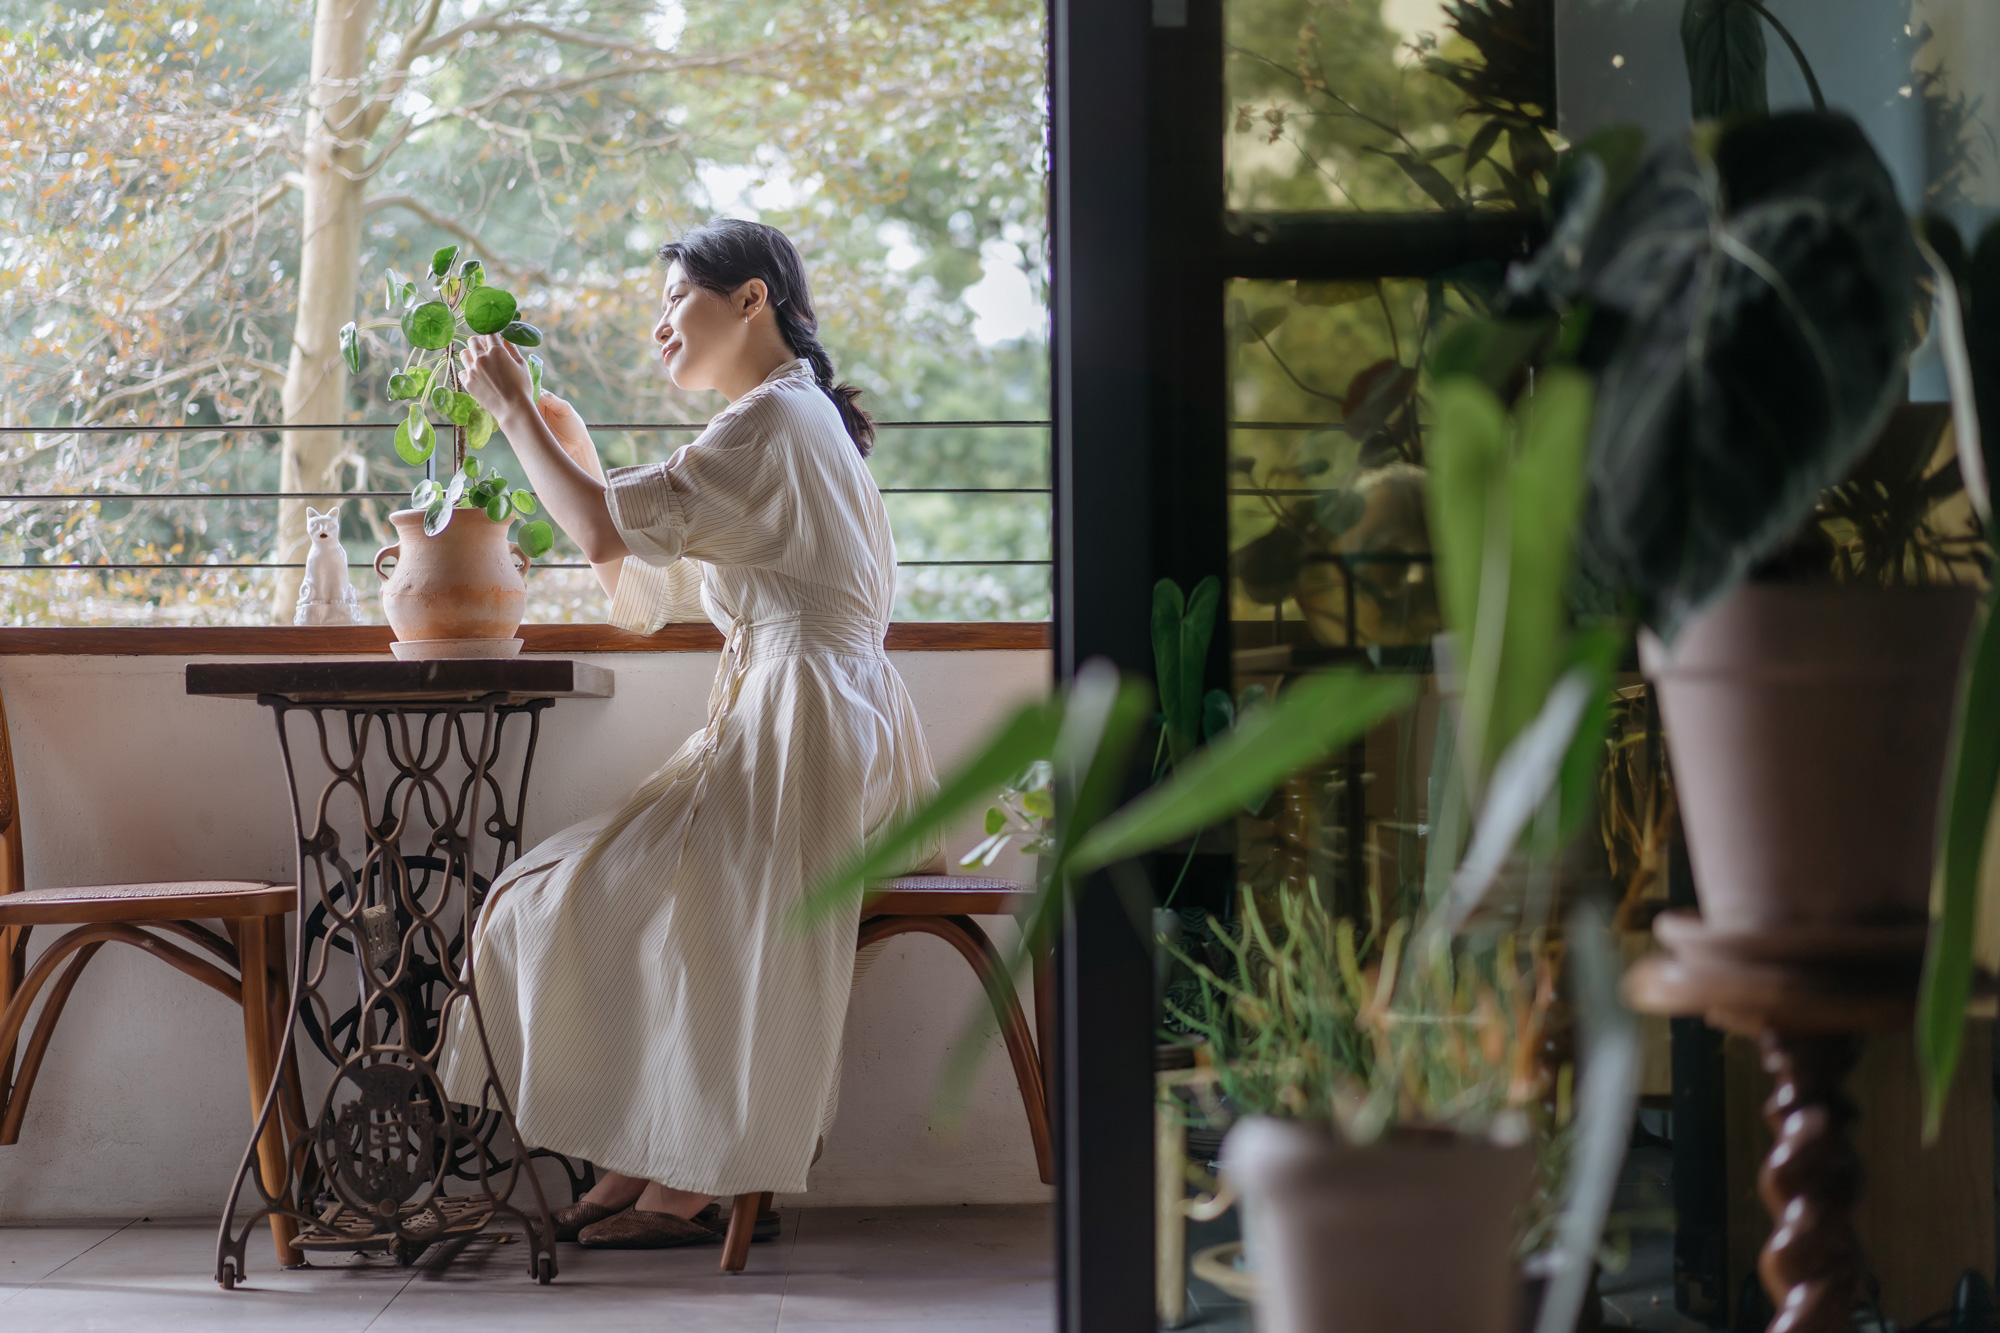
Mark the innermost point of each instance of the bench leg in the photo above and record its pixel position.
(743, 1212)
(964, 934)
(260, 1060)
(14, 1104)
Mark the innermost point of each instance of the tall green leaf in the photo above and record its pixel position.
(1467, 450)
(1028, 735)
(1197, 629)
(1168, 607)
(1182, 629)
(1545, 489)
(1309, 721)
(1973, 777)
(1723, 42)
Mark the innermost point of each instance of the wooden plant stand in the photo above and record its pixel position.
(1808, 997)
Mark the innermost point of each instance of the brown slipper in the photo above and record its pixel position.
(577, 1216)
(636, 1230)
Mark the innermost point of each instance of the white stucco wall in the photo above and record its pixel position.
(142, 1107)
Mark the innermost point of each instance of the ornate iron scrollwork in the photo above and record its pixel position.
(380, 1147)
(390, 1164)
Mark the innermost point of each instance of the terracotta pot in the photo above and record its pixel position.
(1406, 1235)
(1808, 727)
(464, 583)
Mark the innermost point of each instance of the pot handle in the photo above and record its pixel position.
(526, 563)
(394, 549)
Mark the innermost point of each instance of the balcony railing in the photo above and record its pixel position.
(211, 496)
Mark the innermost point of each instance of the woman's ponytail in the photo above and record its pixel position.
(728, 252)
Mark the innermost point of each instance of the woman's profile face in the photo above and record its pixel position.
(699, 332)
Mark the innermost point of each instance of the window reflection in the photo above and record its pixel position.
(1388, 105)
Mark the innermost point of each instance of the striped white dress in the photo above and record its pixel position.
(649, 1003)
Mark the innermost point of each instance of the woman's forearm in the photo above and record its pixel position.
(574, 498)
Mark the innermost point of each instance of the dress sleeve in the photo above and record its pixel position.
(650, 596)
(725, 499)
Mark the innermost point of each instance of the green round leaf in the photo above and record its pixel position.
(489, 310)
(471, 467)
(496, 509)
(454, 491)
(350, 346)
(522, 334)
(441, 261)
(414, 446)
(441, 399)
(524, 502)
(474, 274)
(426, 491)
(480, 428)
(537, 539)
(403, 386)
(429, 326)
(436, 518)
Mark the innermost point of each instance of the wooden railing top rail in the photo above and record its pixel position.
(287, 640)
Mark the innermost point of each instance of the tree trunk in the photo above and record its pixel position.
(329, 268)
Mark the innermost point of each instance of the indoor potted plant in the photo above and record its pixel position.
(1385, 1107)
(1752, 297)
(457, 589)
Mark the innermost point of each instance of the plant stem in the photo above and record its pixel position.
(1812, 84)
(1192, 847)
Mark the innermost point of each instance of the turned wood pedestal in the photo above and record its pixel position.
(1807, 997)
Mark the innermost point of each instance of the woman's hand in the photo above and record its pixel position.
(567, 426)
(495, 372)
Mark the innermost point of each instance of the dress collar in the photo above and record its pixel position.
(796, 368)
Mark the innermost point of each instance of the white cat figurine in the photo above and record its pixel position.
(327, 596)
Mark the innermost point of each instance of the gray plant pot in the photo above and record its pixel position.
(1404, 1236)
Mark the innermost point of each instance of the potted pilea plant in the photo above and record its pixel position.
(457, 588)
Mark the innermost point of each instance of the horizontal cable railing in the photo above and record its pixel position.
(23, 497)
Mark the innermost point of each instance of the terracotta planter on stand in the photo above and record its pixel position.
(1409, 1235)
(1808, 727)
(458, 594)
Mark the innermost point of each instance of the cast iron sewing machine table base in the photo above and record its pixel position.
(412, 757)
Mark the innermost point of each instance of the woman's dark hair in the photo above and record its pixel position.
(726, 253)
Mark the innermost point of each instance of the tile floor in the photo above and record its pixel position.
(895, 1270)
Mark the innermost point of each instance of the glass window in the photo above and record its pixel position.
(1387, 105)
(161, 291)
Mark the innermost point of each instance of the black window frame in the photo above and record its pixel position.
(1142, 252)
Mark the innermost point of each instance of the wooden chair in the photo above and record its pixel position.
(252, 972)
(944, 905)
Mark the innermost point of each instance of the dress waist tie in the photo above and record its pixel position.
(748, 643)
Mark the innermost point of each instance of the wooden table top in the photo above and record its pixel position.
(319, 681)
